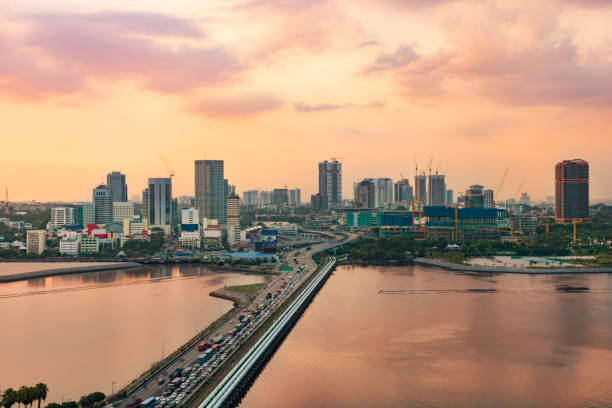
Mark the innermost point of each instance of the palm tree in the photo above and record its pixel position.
(41, 392)
(9, 397)
(21, 395)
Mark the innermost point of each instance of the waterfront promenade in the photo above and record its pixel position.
(501, 269)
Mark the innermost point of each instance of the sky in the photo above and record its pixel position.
(273, 87)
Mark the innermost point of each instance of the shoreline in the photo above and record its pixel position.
(504, 269)
(65, 271)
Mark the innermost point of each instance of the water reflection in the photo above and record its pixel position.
(403, 337)
(78, 333)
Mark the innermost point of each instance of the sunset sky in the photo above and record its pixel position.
(273, 87)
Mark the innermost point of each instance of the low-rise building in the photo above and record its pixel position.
(70, 246)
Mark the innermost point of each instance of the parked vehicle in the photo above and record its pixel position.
(149, 402)
(202, 346)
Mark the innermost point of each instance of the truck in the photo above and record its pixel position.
(149, 402)
(218, 339)
(202, 346)
(175, 373)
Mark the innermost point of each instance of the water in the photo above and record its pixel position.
(79, 333)
(439, 339)
(10, 268)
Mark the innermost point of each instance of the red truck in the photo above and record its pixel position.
(202, 346)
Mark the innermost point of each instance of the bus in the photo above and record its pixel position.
(149, 402)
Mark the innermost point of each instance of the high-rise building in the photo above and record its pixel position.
(365, 194)
(572, 191)
(61, 216)
(383, 192)
(116, 182)
(159, 206)
(449, 197)
(86, 211)
(330, 184)
(35, 242)
(436, 190)
(265, 198)
(250, 198)
(487, 198)
(474, 197)
(211, 190)
(102, 205)
(145, 196)
(525, 199)
(231, 189)
(317, 202)
(233, 210)
(280, 198)
(122, 210)
(403, 191)
(420, 189)
(295, 197)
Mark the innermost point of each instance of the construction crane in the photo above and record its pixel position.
(6, 204)
(430, 161)
(438, 168)
(518, 192)
(167, 167)
(333, 158)
(501, 183)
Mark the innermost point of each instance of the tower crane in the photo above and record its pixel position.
(166, 166)
(438, 168)
(430, 161)
(501, 183)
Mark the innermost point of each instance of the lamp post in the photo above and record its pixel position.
(163, 344)
(113, 387)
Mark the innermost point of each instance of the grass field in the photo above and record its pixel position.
(246, 289)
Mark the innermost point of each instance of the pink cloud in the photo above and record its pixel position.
(63, 54)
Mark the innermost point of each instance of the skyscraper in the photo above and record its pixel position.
(572, 190)
(420, 189)
(102, 205)
(295, 197)
(384, 191)
(159, 207)
(280, 197)
(365, 194)
(233, 210)
(436, 190)
(210, 190)
(403, 191)
(116, 182)
(330, 184)
(250, 198)
(449, 197)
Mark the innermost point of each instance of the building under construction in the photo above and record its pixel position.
(572, 191)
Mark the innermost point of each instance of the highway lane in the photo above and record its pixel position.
(285, 283)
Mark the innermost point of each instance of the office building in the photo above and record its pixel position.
(265, 199)
(474, 197)
(317, 202)
(450, 200)
(330, 184)
(403, 192)
(145, 196)
(487, 198)
(436, 190)
(250, 198)
(295, 197)
(122, 210)
(159, 206)
(36, 242)
(211, 189)
(190, 215)
(116, 182)
(61, 216)
(85, 214)
(70, 246)
(420, 189)
(102, 205)
(135, 226)
(571, 191)
(365, 194)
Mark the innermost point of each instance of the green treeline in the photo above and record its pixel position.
(26, 396)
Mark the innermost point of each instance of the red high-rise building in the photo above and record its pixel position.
(572, 191)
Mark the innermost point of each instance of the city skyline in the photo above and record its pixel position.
(377, 85)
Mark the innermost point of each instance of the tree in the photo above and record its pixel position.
(9, 397)
(41, 392)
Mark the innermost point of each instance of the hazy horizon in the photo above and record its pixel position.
(274, 87)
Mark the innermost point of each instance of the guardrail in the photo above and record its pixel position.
(229, 391)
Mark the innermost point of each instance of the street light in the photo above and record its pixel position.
(113, 387)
